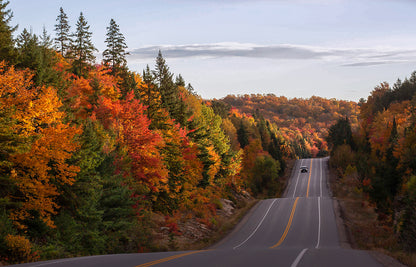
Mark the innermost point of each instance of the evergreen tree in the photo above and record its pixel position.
(28, 48)
(166, 86)
(191, 89)
(45, 39)
(7, 51)
(148, 77)
(82, 48)
(62, 40)
(340, 133)
(35, 53)
(180, 81)
(242, 135)
(115, 54)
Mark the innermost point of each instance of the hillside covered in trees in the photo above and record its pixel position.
(302, 123)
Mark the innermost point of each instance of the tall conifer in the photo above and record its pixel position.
(82, 48)
(63, 38)
(7, 51)
(167, 88)
(115, 54)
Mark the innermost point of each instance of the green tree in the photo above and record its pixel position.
(180, 81)
(340, 133)
(168, 90)
(63, 37)
(82, 48)
(265, 176)
(115, 54)
(36, 54)
(28, 48)
(407, 228)
(242, 135)
(7, 50)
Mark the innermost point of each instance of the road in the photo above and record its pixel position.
(298, 229)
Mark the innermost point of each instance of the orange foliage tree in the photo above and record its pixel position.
(42, 167)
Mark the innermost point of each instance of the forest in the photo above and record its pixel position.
(379, 158)
(90, 152)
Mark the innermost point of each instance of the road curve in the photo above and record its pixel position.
(298, 229)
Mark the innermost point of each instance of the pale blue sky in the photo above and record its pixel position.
(296, 48)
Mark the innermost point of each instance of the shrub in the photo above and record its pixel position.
(19, 249)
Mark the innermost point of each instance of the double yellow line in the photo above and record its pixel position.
(309, 180)
(168, 258)
(289, 223)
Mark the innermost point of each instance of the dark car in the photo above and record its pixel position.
(303, 169)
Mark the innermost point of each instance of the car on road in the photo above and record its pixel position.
(303, 169)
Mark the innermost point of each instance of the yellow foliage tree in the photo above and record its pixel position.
(37, 171)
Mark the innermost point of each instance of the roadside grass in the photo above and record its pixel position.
(363, 227)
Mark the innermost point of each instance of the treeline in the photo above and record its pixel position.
(380, 155)
(302, 123)
(89, 153)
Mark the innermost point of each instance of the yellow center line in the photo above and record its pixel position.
(289, 223)
(168, 258)
(309, 181)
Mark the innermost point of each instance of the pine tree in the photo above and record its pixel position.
(36, 53)
(180, 81)
(115, 54)
(45, 39)
(166, 86)
(7, 51)
(82, 48)
(28, 49)
(63, 40)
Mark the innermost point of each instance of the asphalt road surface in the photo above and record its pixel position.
(296, 230)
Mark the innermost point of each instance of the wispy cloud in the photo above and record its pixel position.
(373, 63)
(348, 57)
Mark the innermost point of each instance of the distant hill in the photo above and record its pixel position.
(303, 123)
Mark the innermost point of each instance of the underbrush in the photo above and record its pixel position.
(367, 229)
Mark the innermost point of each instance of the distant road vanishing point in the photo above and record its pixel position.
(296, 230)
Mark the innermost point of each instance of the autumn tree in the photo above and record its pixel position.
(39, 170)
(127, 117)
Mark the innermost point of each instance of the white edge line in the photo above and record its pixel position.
(321, 176)
(319, 224)
(297, 179)
(298, 258)
(257, 226)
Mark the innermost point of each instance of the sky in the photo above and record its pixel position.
(295, 48)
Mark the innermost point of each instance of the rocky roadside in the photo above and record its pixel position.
(192, 234)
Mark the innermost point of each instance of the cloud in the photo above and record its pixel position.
(229, 50)
(372, 63)
(348, 57)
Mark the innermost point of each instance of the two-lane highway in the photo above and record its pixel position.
(296, 230)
